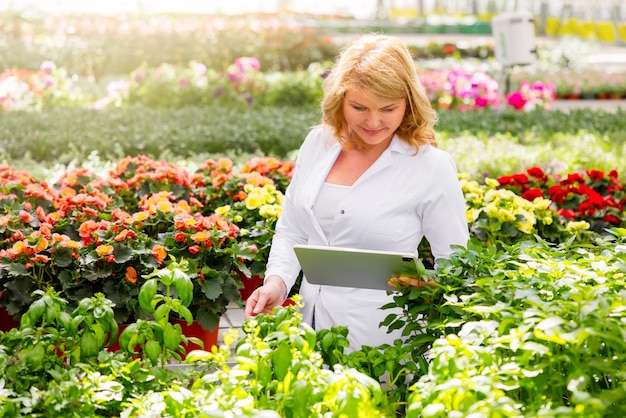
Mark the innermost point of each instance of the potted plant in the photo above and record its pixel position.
(86, 234)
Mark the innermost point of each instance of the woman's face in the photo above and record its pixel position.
(373, 121)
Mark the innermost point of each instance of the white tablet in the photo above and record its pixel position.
(349, 267)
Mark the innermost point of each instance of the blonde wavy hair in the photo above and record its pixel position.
(383, 66)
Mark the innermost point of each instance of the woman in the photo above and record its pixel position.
(369, 177)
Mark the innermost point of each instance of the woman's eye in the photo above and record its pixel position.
(359, 108)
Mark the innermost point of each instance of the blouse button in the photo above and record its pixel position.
(342, 211)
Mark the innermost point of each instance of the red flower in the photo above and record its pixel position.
(595, 174)
(532, 194)
(610, 218)
(573, 178)
(448, 49)
(567, 213)
(537, 173)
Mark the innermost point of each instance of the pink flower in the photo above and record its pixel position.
(48, 67)
(247, 64)
(517, 100)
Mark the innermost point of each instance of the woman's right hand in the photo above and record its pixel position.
(267, 297)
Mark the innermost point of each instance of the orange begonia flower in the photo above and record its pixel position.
(126, 233)
(18, 247)
(39, 257)
(104, 250)
(219, 180)
(26, 217)
(201, 236)
(159, 252)
(139, 217)
(41, 214)
(42, 244)
(131, 274)
(68, 192)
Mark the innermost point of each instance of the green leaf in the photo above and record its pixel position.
(89, 344)
(281, 359)
(122, 253)
(63, 257)
(153, 351)
(171, 337)
(212, 288)
(207, 318)
(147, 293)
(184, 287)
(162, 312)
(184, 313)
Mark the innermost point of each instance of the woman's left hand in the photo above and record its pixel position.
(405, 281)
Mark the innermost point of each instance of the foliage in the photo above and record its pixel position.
(241, 83)
(541, 335)
(529, 329)
(556, 141)
(164, 133)
(276, 372)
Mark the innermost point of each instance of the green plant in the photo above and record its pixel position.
(56, 363)
(160, 340)
(536, 331)
(50, 338)
(276, 371)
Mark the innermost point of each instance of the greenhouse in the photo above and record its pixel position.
(160, 161)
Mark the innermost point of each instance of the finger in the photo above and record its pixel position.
(393, 282)
(413, 282)
(250, 304)
(260, 304)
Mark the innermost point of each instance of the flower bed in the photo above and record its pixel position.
(86, 234)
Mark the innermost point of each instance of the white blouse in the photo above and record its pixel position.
(326, 207)
(404, 196)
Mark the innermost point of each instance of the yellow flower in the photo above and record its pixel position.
(541, 203)
(493, 183)
(527, 226)
(253, 201)
(573, 226)
(223, 210)
(471, 215)
(270, 211)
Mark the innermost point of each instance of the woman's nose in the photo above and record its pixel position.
(372, 119)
